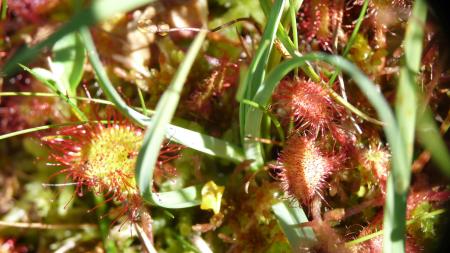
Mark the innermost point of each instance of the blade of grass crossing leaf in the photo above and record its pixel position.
(47, 94)
(289, 217)
(105, 83)
(175, 199)
(164, 112)
(253, 149)
(283, 37)
(194, 140)
(406, 109)
(99, 10)
(205, 144)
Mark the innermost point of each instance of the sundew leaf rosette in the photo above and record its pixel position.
(102, 157)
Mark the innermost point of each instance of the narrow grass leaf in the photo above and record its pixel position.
(39, 128)
(68, 62)
(294, 6)
(270, 115)
(105, 83)
(141, 99)
(255, 76)
(243, 93)
(156, 131)
(48, 79)
(289, 217)
(205, 144)
(430, 137)
(394, 221)
(407, 99)
(191, 139)
(352, 39)
(183, 198)
(288, 44)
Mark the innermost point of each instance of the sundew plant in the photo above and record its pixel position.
(223, 126)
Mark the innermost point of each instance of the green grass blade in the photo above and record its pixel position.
(394, 222)
(270, 115)
(406, 99)
(156, 131)
(68, 62)
(106, 84)
(205, 144)
(46, 78)
(293, 8)
(289, 217)
(430, 137)
(99, 10)
(255, 76)
(183, 198)
(39, 128)
(283, 37)
(355, 31)
(191, 139)
(47, 94)
(256, 70)
(243, 91)
(350, 42)
(141, 99)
